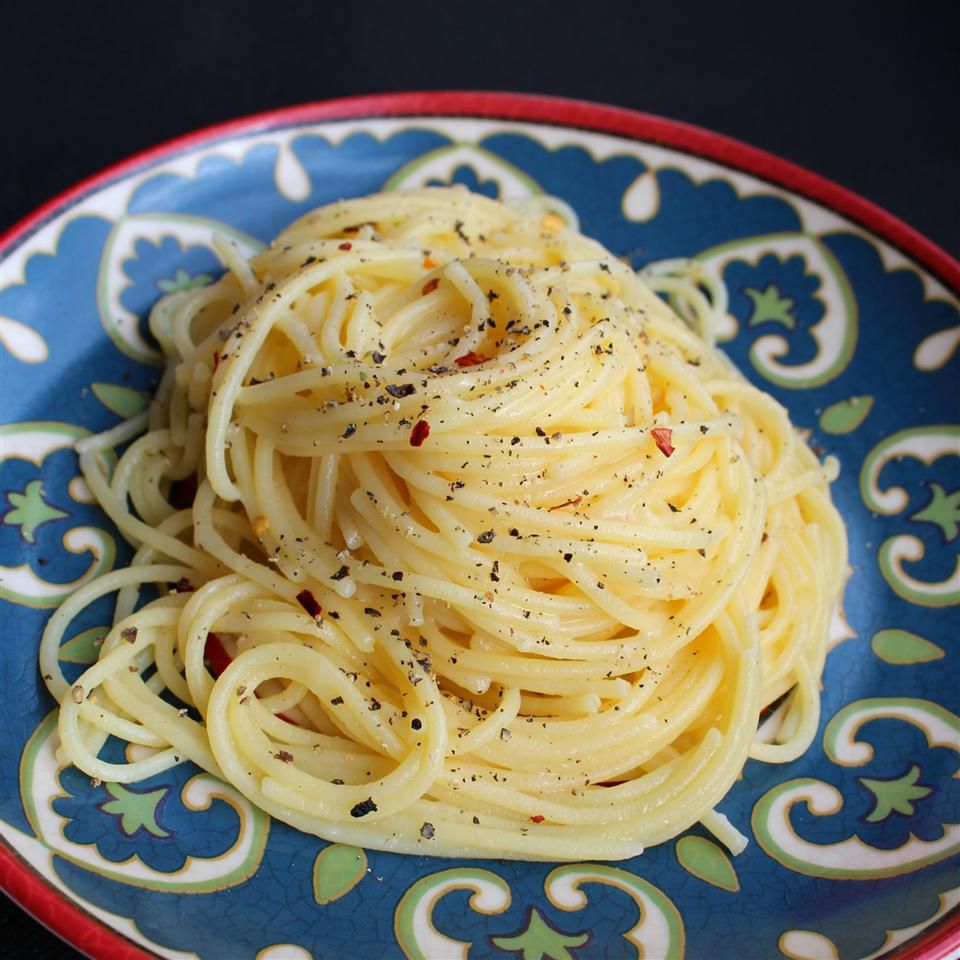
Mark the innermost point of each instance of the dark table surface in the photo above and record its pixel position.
(864, 94)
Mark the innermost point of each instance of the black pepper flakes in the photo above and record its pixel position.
(486, 537)
(427, 831)
(400, 390)
(363, 808)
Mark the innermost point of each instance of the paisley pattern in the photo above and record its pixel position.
(859, 342)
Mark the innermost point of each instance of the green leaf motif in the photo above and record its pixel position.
(30, 510)
(845, 415)
(136, 810)
(183, 281)
(123, 401)
(942, 510)
(704, 859)
(903, 647)
(84, 647)
(769, 304)
(540, 941)
(336, 871)
(895, 795)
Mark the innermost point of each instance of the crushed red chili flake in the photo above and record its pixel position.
(216, 360)
(430, 286)
(309, 603)
(470, 359)
(539, 818)
(215, 654)
(572, 502)
(662, 437)
(419, 433)
(346, 245)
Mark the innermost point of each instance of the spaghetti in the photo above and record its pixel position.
(465, 544)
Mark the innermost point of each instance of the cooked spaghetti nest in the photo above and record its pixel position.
(463, 543)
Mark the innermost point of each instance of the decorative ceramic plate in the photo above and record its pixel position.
(840, 311)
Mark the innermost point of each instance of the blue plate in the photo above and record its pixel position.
(844, 314)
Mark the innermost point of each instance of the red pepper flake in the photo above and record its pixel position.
(428, 263)
(216, 360)
(430, 286)
(419, 433)
(309, 603)
(470, 359)
(215, 654)
(346, 245)
(539, 818)
(218, 660)
(572, 502)
(662, 437)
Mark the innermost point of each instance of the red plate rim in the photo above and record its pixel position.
(17, 878)
(536, 108)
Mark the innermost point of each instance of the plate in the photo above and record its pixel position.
(843, 313)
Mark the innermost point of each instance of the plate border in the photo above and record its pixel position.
(18, 880)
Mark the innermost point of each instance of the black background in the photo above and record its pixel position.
(867, 94)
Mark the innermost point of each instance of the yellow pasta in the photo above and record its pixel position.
(466, 544)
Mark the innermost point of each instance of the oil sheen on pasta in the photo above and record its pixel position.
(466, 545)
